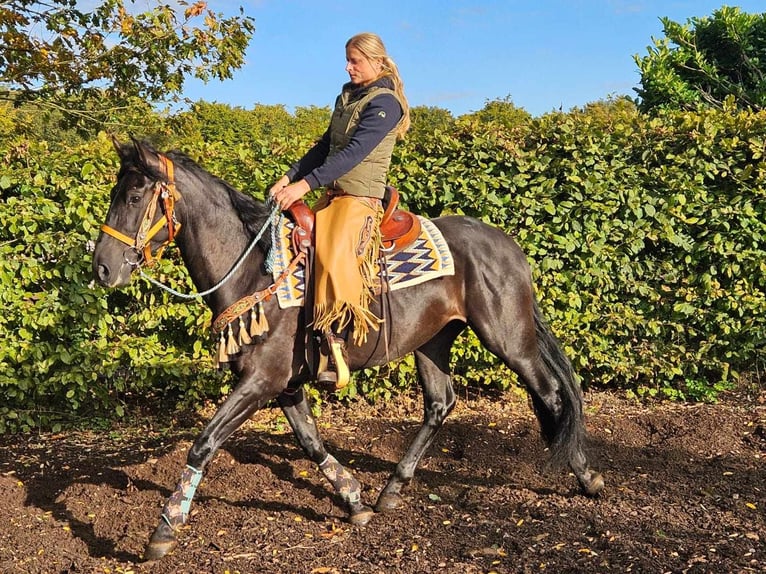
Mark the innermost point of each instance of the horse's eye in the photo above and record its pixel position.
(134, 199)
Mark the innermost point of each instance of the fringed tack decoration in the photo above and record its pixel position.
(263, 324)
(232, 348)
(228, 344)
(259, 325)
(222, 356)
(254, 332)
(244, 337)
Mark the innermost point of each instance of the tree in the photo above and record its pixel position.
(92, 64)
(706, 61)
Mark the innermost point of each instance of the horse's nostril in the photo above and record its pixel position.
(103, 273)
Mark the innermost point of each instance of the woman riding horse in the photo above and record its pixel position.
(351, 161)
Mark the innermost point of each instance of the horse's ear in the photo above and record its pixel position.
(118, 147)
(149, 158)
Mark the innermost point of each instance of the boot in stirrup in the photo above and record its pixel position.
(333, 365)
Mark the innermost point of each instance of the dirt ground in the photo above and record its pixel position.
(685, 493)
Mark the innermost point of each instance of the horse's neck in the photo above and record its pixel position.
(211, 240)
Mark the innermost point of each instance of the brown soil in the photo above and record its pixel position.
(685, 493)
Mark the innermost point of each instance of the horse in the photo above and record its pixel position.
(161, 198)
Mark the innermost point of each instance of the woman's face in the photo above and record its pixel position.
(361, 70)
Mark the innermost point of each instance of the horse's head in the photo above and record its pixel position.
(141, 217)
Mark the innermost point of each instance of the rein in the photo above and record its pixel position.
(226, 277)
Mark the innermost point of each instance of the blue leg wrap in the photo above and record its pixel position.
(176, 510)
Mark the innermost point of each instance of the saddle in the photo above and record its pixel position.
(398, 228)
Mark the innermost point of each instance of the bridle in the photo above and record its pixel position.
(165, 195)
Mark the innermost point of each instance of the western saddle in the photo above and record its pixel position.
(398, 228)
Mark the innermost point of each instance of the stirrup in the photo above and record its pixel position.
(338, 350)
(325, 373)
(340, 376)
(327, 378)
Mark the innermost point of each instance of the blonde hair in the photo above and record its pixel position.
(372, 48)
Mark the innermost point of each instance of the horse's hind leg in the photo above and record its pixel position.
(533, 353)
(432, 360)
(248, 396)
(297, 409)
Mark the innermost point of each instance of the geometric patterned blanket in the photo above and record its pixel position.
(427, 258)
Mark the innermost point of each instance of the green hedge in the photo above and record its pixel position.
(646, 238)
(645, 235)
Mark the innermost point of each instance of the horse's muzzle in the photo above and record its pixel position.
(109, 275)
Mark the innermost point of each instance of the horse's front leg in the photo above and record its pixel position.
(297, 409)
(432, 362)
(250, 395)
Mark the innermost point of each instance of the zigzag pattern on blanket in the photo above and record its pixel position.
(427, 258)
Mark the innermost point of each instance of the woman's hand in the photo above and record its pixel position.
(286, 193)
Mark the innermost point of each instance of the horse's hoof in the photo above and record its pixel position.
(362, 516)
(163, 540)
(389, 501)
(156, 550)
(594, 486)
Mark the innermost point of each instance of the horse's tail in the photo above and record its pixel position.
(564, 433)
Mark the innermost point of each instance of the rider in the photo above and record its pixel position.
(351, 162)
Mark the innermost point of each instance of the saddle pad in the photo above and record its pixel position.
(427, 258)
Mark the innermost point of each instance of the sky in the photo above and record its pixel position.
(542, 55)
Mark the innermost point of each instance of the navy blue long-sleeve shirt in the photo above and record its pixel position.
(377, 119)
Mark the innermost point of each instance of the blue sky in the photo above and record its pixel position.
(455, 55)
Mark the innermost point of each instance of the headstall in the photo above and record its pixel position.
(166, 194)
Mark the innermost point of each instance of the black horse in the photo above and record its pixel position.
(163, 197)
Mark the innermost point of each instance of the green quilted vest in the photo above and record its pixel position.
(368, 178)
